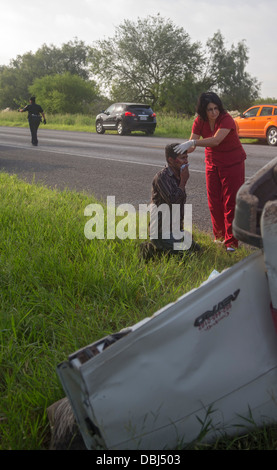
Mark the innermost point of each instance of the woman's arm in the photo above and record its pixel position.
(189, 145)
(210, 141)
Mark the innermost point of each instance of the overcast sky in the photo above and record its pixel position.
(27, 25)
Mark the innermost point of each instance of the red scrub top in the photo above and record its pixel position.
(229, 151)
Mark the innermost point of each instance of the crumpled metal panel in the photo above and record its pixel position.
(212, 354)
(215, 349)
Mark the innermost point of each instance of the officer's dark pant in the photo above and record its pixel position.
(34, 122)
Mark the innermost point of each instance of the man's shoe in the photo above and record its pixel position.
(230, 249)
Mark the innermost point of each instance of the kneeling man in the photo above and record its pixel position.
(168, 201)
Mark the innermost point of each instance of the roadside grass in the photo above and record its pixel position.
(168, 125)
(67, 122)
(60, 291)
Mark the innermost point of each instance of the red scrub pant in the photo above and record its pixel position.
(222, 187)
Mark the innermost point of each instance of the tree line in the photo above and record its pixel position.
(149, 60)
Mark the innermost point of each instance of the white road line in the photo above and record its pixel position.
(40, 149)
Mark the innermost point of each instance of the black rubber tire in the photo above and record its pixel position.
(99, 128)
(120, 128)
(271, 136)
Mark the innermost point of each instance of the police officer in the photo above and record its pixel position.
(35, 112)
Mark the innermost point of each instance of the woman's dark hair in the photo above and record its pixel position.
(204, 100)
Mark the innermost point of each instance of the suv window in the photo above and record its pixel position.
(110, 110)
(141, 109)
(119, 108)
(252, 112)
(266, 111)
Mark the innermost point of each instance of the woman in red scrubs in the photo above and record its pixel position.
(225, 163)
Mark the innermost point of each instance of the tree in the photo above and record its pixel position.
(64, 93)
(226, 73)
(16, 78)
(9, 88)
(142, 56)
(182, 97)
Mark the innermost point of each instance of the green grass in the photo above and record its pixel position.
(67, 122)
(61, 291)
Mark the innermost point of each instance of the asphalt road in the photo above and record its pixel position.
(109, 165)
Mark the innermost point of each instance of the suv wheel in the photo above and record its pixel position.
(271, 136)
(120, 128)
(99, 128)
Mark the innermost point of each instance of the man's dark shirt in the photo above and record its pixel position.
(165, 190)
(33, 109)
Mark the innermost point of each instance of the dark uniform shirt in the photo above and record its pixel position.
(33, 109)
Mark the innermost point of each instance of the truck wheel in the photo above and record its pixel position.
(120, 128)
(99, 128)
(271, 136)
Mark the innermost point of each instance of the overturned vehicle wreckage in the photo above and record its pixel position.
(212, 352)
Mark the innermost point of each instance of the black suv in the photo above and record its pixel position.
(126, 117)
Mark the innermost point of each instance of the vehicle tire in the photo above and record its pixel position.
(271, 136)
(99, 128)
(120, 128)
(149, 132)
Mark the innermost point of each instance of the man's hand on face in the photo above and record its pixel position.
(183, 168)
(184, 172)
